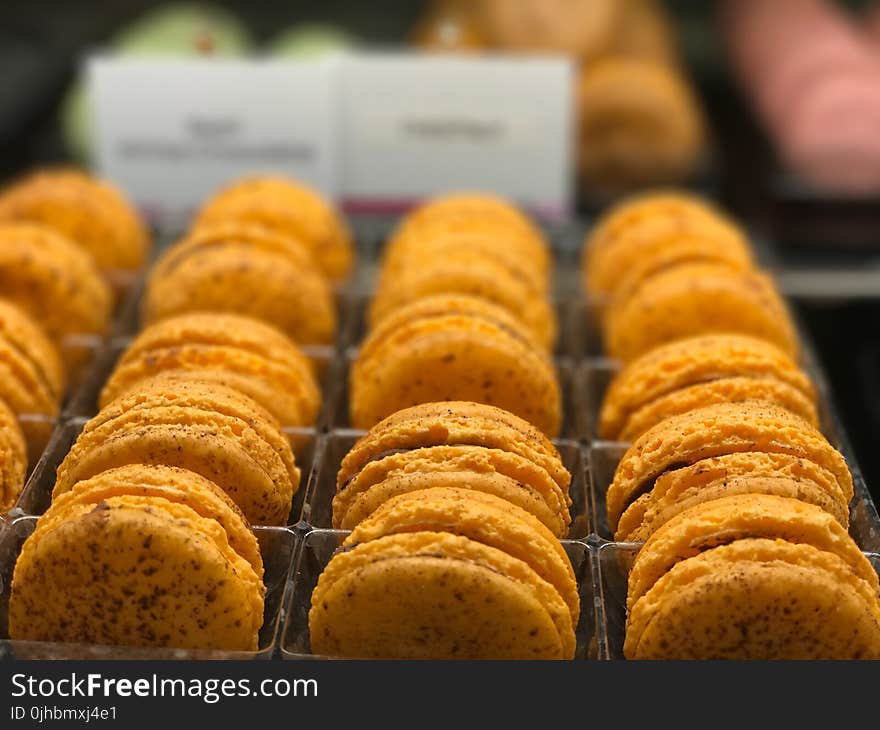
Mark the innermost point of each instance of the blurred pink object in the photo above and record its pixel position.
(813, 76)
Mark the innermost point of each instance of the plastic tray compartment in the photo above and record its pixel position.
(604, 456)
(318, 547)
(37, 493)
(277, 544)
(615, 561)
(332, 448)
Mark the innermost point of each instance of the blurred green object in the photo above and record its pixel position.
(310, 41)
(173, 30)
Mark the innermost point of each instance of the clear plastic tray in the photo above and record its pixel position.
(278, 548)
(318, 547)
(306, 545)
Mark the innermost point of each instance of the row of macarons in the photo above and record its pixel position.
(72, 241)
(194, 417)
(456, 508)
(739, 503)
(148, 539)
(66, 240)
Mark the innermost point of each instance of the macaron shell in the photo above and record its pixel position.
(13, 458)
(728, 519)
(225, 329)
(650, 244)
(639, 123)
(481, 517)
(681, 210)
(696, 299)
(178, 486)
(288, 208)
(502, 246)
(218, 434)
(725, 390)
(268, 384)
(376, 599)
(473, 212)
(17, 327)
(248, 271)
(802, 490)
(171, 391)
(453, 358)
(474, 274)
(757, 599)
(159, 564)
(456, 422)
(22, 384)
(92, 214)
(714, 431)
(448, 304)
(749, 470)
(492, 471)
(682, 363)
(40, 268)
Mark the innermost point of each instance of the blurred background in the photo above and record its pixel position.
(772, 107)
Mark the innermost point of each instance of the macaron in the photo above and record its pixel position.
(290, 209)
(648, 231)
(482, 517)
(228, 349)
(54, 281)
(446, 574)
(712, 431)
(417, 355)
(210, 429)
(140, 555)
(454, 444)
(696, 299)
(32, 379)
(433, 240)
(583, 29)
(90, 212)
(699, 371)
(752, 576)
(639, 124)
(244, 269)
(745, 472)
(13, 458)
(462, 270)
(474, 213)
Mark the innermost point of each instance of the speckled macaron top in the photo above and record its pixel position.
(714, 431)
(53, 280)
(695, 299)
(289, 208)
(752, 576)
(434, 595)
(139, 556)
(241, 352)
(90, 212)
(671, 369)
(412, 358)
(207, 428)
(244, 269)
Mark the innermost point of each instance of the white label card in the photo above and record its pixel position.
(413, 126)
(171, 131)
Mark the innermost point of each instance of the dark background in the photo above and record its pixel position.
(40, 42)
